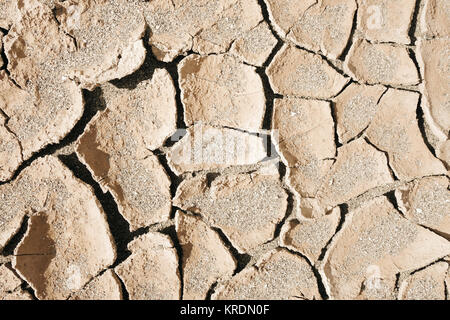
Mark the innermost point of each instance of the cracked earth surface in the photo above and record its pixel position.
(224, 149)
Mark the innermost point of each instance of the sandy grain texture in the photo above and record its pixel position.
(224, 149)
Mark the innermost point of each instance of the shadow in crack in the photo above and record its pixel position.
(119, 227)
(94, 102)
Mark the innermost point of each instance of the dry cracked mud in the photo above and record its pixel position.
(224, 149)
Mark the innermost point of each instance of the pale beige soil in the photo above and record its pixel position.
(224, 149)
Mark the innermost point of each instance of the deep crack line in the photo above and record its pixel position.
(118, 226)
(93, 103)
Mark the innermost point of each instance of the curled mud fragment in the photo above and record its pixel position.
(104, 287)
(394, 130)
(310, 236)
(245, 206)
(300, 73)
(209, 148)
(359, 167)
(173, 24)
(435, 19)
(145, 114)
(38, 95)
(89, 41)
(426, 284)
(42, 105)
(206, 259)
(385, 20)
(427, 202)
(374, 244)
(381, 63)
(67, 241)
(355, 108)
(36, 123)
(108, 36)
(280, 275)
(255, 46)
(115, 147)
(219, 90)
(322, 26)
(151, 271)
(305, 131)
(204, 26)
(234, 22)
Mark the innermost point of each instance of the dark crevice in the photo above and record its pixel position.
(211, 290)
(397, 282)
(5, 68)
(177, 136)
(3, 55)
(94, 102)
(289, 210)
(268, 91)
(26, 287)
(437, 232)
(392, 199)
(271, 150)
(336, 136)
(15, 240)
(421, 123)
(428, 265)
(325, 59)
(242, 259)
(446, 289)
(387, 158)
(343, 89)
(322, 291)
(256, 134)
(413, 26)
(347, 48)
(175, 180)
(382, 95)
(172, 68)
(320, 285)
(123, 288)
(272, 55)
(282, 170)
(344, 211)
(139, 232)
(172, 233)
(7, 118)
(269, 97)
(145, 72)
(265, 14)
(396, 87)
(119, 227)
(87, 283)
(359, 135)
(413, 57)
(210, 177)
